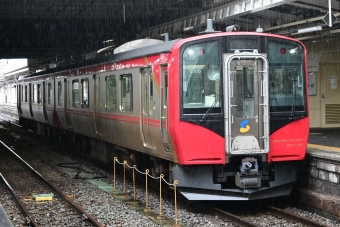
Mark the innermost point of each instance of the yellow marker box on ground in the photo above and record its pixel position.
(43, 197)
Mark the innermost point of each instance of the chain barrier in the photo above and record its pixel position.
(161, 178)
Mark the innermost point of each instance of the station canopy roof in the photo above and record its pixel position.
(51, 31)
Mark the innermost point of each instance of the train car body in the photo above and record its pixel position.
(225, 114)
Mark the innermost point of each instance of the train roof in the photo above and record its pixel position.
(135, 44)
(138, 48)
(144, 48)
(144, 51)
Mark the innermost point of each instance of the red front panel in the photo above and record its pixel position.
(290, 142)
(198, 145)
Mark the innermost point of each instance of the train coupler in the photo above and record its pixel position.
(249, 175)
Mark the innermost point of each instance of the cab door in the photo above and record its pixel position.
(147, 107)
(246, 87)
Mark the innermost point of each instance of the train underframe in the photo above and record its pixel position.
(235, 181)
(243, 178)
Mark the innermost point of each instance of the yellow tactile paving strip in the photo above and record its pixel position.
(321, 147)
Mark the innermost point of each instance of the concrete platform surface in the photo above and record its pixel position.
(4, 221)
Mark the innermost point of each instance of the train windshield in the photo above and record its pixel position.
(201, 78)
(286, 77)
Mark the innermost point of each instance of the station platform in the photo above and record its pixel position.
(319, 182)
(324, 143)
(325, 137)
(4, 221)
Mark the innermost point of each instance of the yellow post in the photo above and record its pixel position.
(146, 209)
(176, 212)
(134, 183)
(160, 197)
(124, 178)
(114, 174)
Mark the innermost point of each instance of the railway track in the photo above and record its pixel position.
(28, 187)
(230, 218)
(278, 217)
(52, 164)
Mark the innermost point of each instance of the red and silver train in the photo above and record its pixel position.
(225, 114)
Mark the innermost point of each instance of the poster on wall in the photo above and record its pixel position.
(334, 82)
(313, 63)
(312, 84)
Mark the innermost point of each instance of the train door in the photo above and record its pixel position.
(247, 123)
(97, 104)
(147, 106)
(164, 108)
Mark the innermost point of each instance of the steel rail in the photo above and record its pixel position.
(293, 217)
(19, 203)
(87, 216)
(228, 216)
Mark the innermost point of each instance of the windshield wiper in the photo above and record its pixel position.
(210, 108)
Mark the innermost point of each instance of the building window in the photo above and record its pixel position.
(75, 93)
(85, 93)
(111, 93)
(126, 92)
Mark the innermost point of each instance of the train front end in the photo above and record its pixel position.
(242, 125)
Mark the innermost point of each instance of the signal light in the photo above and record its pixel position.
(283, 50)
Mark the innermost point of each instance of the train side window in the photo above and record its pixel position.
(145, 91)
(111, 93)
(151, 106)
(126, 92)
(22, 93)
(39, 94)
(75, 93)
(166, 88)
(49, 88)
(26, 100)
(85, 93)
(60, 94)
(35, 91)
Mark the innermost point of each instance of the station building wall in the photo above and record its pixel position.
(324, 102)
